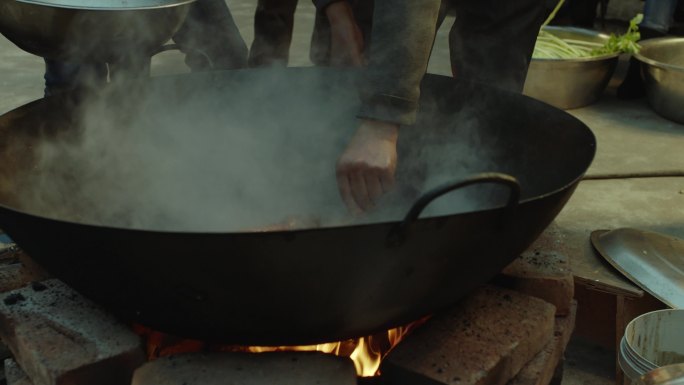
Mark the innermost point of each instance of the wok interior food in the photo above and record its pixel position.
(256, 153)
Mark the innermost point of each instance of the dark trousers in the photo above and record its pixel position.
(209, 37)
(492, 41)
(273, 26)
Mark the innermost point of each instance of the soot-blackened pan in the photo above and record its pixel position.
(312, 285)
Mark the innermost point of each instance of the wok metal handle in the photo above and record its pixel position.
(399, 233)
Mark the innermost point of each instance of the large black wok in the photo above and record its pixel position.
(318, 284)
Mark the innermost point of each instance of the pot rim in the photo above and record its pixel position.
(658, 64)
(129, 5)
(580, 59)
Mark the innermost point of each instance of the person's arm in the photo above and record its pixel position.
(403, 36)
(346, 39)
(365, 170)
(402, 39)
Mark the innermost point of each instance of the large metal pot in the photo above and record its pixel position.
(91, 30)
(571, 83)
(317, 284)
(652, 340)
(662, 63)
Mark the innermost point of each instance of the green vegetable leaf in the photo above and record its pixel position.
(549, 46)
(626, 43)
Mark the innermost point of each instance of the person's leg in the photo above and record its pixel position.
(319, 52)
(363, 12)
(320, 39)
(61, 76)
(492, 41)
(658, 16)
(210, 39)
(273, 24)
(583, 12)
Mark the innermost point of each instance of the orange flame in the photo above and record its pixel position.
(366, 352)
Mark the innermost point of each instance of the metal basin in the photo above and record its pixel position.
(663, 69)
(94, 30)
(571, 83)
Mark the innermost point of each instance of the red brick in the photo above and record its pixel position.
(486, 339)
(540, 371)
(544, 275)
(16, 276)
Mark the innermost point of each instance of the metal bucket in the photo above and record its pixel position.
(652, 340)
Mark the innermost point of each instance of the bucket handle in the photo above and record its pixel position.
(400, 232)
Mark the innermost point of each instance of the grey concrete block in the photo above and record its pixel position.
(58, 337)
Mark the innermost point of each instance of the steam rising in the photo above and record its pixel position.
(222, 152)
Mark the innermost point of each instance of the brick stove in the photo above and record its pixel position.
(503, 334)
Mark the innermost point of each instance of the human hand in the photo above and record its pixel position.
(365, 170)
(346, 45)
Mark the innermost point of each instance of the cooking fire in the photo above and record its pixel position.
(366, 352)
(56, 335)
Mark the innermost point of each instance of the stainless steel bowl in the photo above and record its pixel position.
(96, 30)
(663, 69)
(571, 83)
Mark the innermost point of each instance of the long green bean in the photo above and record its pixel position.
(550, 46)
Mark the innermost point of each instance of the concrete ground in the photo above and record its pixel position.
(634, 146)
